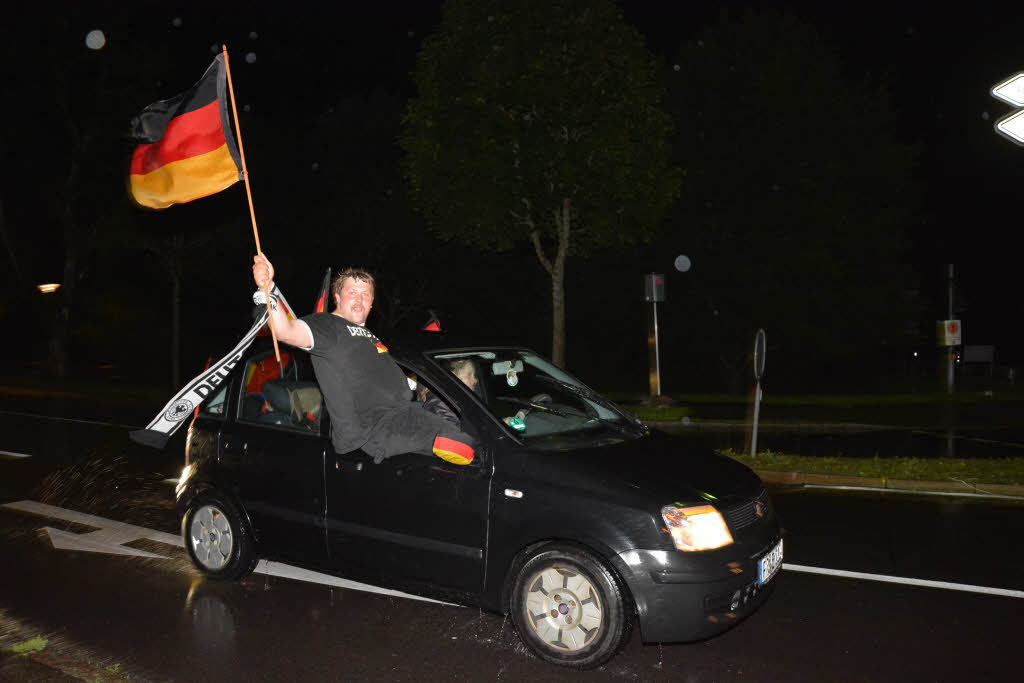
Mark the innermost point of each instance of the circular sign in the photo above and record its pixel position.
(682, 263)
(759, 349)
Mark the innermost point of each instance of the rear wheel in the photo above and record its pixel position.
(218, 541)
(569, 608)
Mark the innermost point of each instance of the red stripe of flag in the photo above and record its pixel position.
(187, 135)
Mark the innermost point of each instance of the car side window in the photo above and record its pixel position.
(425, 395)
(216, 404)
(288, 399)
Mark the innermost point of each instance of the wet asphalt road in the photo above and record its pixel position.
(110, 616)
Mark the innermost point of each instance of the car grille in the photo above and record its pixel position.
(746, 514)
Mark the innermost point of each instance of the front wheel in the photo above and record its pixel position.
(218, 541)
(569, 608)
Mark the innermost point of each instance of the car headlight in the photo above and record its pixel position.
(700, 527)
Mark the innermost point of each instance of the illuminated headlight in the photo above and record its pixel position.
(183, 479)
(696, 528)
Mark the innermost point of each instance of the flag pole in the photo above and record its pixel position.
(248, 193)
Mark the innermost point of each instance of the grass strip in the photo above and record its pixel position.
(974, 470)
(31, 645)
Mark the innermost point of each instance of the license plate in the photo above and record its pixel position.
(769, 564)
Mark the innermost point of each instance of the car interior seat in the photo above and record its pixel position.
(278, 397)
(293, 402)
(306, 403)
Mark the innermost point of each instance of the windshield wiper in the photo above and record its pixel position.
(538, 406)
(592, 395)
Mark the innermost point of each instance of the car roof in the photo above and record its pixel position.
(408, 346)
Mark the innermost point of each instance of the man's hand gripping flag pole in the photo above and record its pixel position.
(248, 193)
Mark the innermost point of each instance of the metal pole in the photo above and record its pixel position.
(757, 414)
(657, 358)
(949, 349)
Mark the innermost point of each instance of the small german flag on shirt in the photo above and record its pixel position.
(188, 149)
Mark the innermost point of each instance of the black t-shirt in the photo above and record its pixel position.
(362, 385)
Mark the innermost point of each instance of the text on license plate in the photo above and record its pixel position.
(769, 564)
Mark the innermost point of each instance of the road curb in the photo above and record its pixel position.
(803, 479)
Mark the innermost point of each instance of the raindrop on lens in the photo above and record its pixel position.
(177, 22)
(253, 35)
(250, 57)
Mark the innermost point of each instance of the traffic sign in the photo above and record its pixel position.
(759, 349)
(1011, 91)
(1011, 126)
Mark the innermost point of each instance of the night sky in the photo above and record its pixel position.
(937, 63)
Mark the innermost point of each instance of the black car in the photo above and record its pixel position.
(574, 518)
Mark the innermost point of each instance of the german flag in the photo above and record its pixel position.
(433, 325)
(323, 301)
(455, 452)
(188, 149)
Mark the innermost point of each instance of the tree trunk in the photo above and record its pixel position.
(556, 270)
(60, 342)
(22, 288)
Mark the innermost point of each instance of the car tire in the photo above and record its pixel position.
(218, 541)
(569, 608)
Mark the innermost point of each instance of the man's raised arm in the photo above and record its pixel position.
(293, 332)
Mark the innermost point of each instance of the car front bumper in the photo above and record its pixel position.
(690, 596)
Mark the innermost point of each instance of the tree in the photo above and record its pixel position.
(799, 195)
(538, 122)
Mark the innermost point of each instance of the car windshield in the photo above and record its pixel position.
(541, 403)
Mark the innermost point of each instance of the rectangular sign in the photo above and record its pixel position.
(948, 333)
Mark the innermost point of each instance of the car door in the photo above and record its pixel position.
(276, 453)
(412, 517)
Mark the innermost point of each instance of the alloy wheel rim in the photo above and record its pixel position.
(563, 608)
(211, 537)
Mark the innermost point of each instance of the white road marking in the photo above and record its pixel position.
(11, 454)
(287, 571)
(69, 419)
(955, 494)
(65, 540)
(905, 580)
(111, 535)
(110, 531)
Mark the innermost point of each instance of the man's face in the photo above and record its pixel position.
(355, 300)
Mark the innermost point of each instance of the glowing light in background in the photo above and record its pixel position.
(250, 57)
(95, 40)
(177, 22)
(48, 288)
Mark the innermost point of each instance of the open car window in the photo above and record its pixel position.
(282, 396)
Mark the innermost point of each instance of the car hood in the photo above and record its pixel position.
(662, 466)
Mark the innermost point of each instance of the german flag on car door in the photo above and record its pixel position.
(188, 149)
